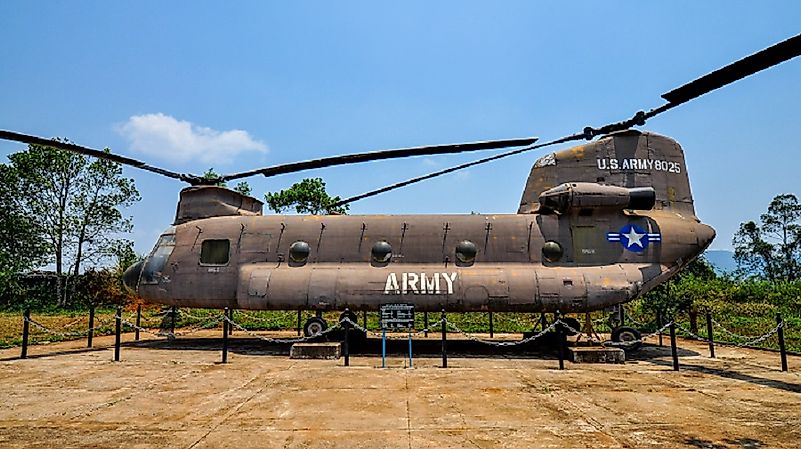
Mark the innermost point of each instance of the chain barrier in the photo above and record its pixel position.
(732, 334)
(502, 343)
(381, 334)
(280, 340)
(753, 342)
(47, 330)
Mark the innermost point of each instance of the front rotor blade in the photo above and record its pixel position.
(775, 54)
(34, 140)
(379, 155)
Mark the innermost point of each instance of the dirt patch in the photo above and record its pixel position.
(177, 394)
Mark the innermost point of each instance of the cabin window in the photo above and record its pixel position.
(552, 251)
(466, 252)
(299, 252)
(215, 252)
(381, 252)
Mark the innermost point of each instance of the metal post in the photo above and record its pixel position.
(226, 326)
(299, 320)
(411, 364)
(659, 325)
(26, 316)
(383, 348)
(345, 343)
(425, 324)
(782, 349)
(117, 330)
(364, 319)
(231, 317)
(622, 315)
(491, 326)
(543, 322)
(173, 312)
(709, 335)
(560, 337)
(91, 331)
(673, 350)
(138, 321)
(444, 340)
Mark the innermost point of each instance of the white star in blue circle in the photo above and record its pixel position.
(633, 238)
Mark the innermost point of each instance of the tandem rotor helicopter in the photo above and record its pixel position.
(598, 225)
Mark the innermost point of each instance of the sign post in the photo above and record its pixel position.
(395, 317)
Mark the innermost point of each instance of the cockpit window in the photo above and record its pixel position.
(154, 265)
(214, 252)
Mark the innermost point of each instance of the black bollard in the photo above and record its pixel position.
(444, 340)
(659, 325)
(226, 326)
(709, 335)
(560, 338)
(231, 317)
(173, 312)
(300, 316)
(26, 316)
(622, 315)
(425, 324)
(346, 324)
(673, 350)
(91, 331)
(117, 330)
(782, 349)
(364, 319)
(138, 321)
(543, 321)
(492, 331)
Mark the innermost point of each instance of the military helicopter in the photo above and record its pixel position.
(598, 225)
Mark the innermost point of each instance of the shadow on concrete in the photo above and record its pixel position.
(729, 374)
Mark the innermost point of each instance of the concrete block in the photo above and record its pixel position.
(596, 354)
(327, 351)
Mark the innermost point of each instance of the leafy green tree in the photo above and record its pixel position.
(307, 197)
(684, 292)
(74, 203)
(20, 246)
(241, 187)
(772, 248)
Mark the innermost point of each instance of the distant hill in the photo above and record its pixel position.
(721, 260)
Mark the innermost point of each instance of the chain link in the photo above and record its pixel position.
(753, 342)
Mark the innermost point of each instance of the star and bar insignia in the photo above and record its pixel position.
(634, 238)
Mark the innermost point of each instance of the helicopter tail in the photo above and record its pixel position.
(630, 159)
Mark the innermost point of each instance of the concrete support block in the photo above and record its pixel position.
(596, 354)
(327, 351)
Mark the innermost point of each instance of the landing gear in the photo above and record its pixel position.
(628, 337)
(573, 324)
(349, 315)
(314, 326)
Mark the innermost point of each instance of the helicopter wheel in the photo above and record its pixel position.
(573, 323)
(628, 337)
(351, 315)
(314, 326)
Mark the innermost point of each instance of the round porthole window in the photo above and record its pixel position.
(299, 251)
(466, 251)
(552, 251)
(382, 252)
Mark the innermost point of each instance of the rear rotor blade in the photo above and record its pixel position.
(379, 155)
(34, 140)
(775, 54)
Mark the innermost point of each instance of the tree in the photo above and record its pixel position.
(685, 292)
(772, 248)
(74, 204)
(307, 197)
(242, 187)
(20, 246)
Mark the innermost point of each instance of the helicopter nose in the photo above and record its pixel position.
(131, 276)
(705, 235)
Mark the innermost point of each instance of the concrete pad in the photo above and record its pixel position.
(596, 354)
(325, 351)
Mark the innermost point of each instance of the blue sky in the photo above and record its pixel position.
(236, 85)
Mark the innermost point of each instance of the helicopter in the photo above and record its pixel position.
(598, 225)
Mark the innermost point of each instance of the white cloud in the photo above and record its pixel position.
(164, 137)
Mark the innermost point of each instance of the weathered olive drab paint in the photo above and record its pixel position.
(610, 254)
